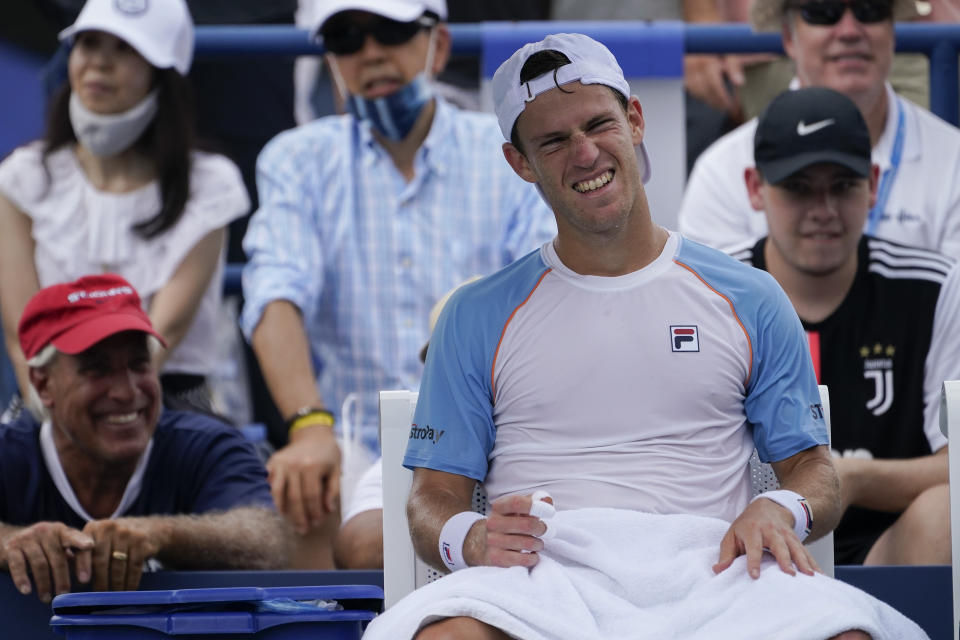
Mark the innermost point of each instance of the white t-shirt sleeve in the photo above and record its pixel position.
(943, 357)
(368, 494)
(950, 240)
(22, 179)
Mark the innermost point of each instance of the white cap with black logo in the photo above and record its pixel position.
(159, 30)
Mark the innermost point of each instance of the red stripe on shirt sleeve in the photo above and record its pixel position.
(813, 337)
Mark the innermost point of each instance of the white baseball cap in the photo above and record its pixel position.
(590, 63)
(160, 30)
(399, 10)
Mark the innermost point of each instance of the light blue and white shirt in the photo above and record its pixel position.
(364, 254)
(647, 391)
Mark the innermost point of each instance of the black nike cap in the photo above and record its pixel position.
(809, 126)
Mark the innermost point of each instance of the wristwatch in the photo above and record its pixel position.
(320, 415)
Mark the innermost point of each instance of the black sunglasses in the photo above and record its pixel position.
(346, 37)
(829, 12)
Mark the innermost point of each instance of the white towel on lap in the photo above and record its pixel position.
(612, 573)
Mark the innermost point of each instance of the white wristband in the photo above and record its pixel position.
(452, 535)
(795, 504)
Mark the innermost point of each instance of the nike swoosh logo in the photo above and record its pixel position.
(804, 129)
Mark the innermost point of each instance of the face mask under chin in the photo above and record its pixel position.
(106, 135)
(393, 115)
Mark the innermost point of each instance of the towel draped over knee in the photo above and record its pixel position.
(619, 574)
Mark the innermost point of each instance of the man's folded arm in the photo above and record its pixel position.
(249, 537)
(891, 485)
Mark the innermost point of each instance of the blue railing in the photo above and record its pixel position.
(939, 42)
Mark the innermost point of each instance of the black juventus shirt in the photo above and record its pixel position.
(871, 353)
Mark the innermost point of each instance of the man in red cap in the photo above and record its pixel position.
(76, 488)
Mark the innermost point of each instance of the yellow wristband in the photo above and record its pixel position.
(322, 418)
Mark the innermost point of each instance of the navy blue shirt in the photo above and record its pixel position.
(197, 465)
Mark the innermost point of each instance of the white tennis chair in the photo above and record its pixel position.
(950, 424)
(403, 571)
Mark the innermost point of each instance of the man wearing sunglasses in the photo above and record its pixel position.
(845, 45)
(365, 220)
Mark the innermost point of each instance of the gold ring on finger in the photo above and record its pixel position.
(119, 555)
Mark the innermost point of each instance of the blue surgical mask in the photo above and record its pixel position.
(394, 115)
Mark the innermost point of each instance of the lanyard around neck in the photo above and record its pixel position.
(889, 176)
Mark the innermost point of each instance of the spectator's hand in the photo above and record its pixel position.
(706, 76)
(121, 547)
(46, 550)
(305, 477)
(509, 537)
(765, 526)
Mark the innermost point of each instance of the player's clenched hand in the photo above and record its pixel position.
(765, 526)
(508, 537)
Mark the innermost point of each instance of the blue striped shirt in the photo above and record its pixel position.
(364, 254)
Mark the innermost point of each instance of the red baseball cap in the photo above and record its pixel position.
(76, 315)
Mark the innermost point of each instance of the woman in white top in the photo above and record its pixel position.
(117, 185)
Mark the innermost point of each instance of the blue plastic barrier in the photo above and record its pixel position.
(274, 613)
(24, 616)
(921, 593)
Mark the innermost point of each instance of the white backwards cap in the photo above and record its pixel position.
(159, 30)
(590, 63)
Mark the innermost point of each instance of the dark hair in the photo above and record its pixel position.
(544, 62)
(167, 141)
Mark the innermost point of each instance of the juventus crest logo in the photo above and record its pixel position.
(879, 370)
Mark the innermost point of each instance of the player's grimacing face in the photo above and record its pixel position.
(579, 146)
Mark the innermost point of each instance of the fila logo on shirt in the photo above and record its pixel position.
(879, 370)
(684, 337)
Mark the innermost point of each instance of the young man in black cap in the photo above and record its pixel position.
(881, 320)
